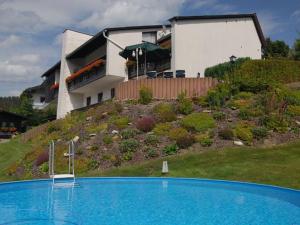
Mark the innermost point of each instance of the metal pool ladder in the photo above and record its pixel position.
(71, 154)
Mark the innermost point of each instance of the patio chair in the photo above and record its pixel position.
(180, 73)
(151, 74)
(168, 74)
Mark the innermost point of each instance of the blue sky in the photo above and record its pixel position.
(30, 30)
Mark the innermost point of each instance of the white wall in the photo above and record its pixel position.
(198, 44)
(68, 101)
(94, 95)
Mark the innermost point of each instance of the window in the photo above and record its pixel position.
(88, 101)
(150, 37)
(112, 93)
(42, 99)
(100, 97)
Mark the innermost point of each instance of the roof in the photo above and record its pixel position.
(12, 114)
(33, 89)
(163, 38)
(51, 70)
(99, 40)
(228, 16)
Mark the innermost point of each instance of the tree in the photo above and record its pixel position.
(296, 50)
(276, 49)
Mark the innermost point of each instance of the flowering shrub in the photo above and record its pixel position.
(145, 123)
(181, 136)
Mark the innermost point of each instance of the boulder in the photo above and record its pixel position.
(239, 143)
(115, 132)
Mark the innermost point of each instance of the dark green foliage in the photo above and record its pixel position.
(53, 127)
(107, 139)
(226, 134)
(204, 139)
(151, 152)
(170, 149)
(274, 122)
(9, 103)
(217, 97)
(276, 49)
(151, 139)
(145, 95)
(185, 105)
(129, 145)
(219, 71)
(219, 115)
(259, 132)
(128, 133)
(244, 114)
(296, 50)
(164, 112)
(93, 164)
(127, 156)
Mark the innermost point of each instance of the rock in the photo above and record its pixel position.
(206, 111)
(92, 135)
(179, 116)
(297, 122)
(125, 108)
(89, 147)
(115, 132)
(233, 107)
(239, 143)
(229, 120)
(76, 139)
(104, 114)
(129, 123)
(89, 118)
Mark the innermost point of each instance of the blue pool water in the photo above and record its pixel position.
(147, 201)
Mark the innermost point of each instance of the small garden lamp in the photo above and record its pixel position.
(232, 59)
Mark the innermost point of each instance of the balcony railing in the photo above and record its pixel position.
(158, 66)
(87, 77)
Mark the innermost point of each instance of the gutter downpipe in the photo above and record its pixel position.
(116, 44)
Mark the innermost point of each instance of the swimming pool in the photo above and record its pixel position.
(145, 201)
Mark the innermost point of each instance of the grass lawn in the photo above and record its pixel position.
(11, 152)
(279, 165)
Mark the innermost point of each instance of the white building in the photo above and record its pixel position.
(91, 66)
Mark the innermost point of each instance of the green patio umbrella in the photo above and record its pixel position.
(151, 51)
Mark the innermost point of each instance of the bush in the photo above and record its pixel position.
(185, 105)
(118, 107)
(128, 133)
(219, 71)
(181, 136)
(151, 140)
(219, 116)
(145, 95)
(274, 122)
(243, 95)
(170, 149)
(204, 139)
(53, 127)
(45, 167)
(94, 128)
(42, 158)
(162, 129)
(129, 145)
(127, 156)
(152, 152)
(145, 123)
(120, 122)
(92, 164)
(217, 97)
(244, 114)
(198, 122)
(226, 134)
(107, 139)
(243, 131)
(164, 112)
(259, 132)
(293, 110)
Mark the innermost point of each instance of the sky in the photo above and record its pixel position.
(30, 30)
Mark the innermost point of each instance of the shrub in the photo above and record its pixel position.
(92, 164)
(185, 105)
(118, 107)
(42, 158)
(151, 140)
(53, 127)
(129, 145)
(164, 112)
(162, 128)
(127, 156)
(244, 114)
(170, 149)
(198, 122)
(93, 148)
(120, 122)
(219, 71)
(151, 152)
(94, 128)
(204, 139)
(243, 131)
(226, 134)
(274, 122)
(107, 139)
(145, 95)
(219, 115)
(243, 95)
(259, 132)
(128, 133)
(181, 136)
(217, 97)
(145, 123)
(45, 167)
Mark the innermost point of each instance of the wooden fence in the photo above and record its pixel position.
(163, 88)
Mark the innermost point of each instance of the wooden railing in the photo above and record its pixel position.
(163, 88)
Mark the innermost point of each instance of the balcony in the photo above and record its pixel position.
(86, 78)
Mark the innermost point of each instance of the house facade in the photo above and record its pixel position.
(91, 67)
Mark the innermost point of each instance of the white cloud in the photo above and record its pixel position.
(296, 15)
(10, 41)
(214, 6)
